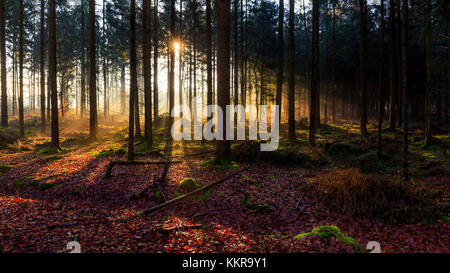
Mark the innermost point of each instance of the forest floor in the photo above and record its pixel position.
(261, 209)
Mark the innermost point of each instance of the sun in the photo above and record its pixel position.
(177, 46)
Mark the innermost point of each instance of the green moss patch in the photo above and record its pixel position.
(220, 163)
(333, 231)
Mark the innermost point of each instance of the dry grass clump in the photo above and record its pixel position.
(352, 193)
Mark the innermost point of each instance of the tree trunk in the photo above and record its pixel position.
(243, 59)
(405, 87)
(83, 63)
(147, 72)
(52, 72)
(105, 70)
(209, 75)
(21, 57)
(280, 73)
(133, 79)
(314, 74)
(92, 73)
(42, 65)
(362, 65)
(429, 79)
(236, 56)
(4, 110)
(380, 79)
(291, 73)
(171, 92)
(223, 149)
(392, 74)
(155, 61)
(333, 66)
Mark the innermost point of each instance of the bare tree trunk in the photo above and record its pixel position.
(209, 75)
(21, 56)
(155, 61)
(291, 73)
(92, 73)
(243, 59)
(133, 80)
(314, 74)
(429, 79)
(362, 65)
(333, 66)
(4, 110)
(236, 56)
(392, 88)
(42, 65)
(105, 70)
(83, 63)
(52, 72)
(147, 72)
(380, 79)
(405, 87)
(280, 73)
(172, 62)
(223, 149)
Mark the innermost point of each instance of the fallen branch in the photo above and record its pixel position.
(96, 220)
(185, 227)
(124, 163)
(202, 189)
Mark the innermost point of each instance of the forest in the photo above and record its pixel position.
(333, 135)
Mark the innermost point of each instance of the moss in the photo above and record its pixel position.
(159, 197)
(111, 152)
(50, 150)
(189, 185)
(220, 163)
(333, 231)
(262, 209)
(45, 186)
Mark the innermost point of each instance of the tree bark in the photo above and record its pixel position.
(291, 73)
(314, 74)
(52, 73)
(155, 61)
(392, 73)
(362, 65)
(147, 72)
(42, 65)
(405, 87)
(209, 75)
(133, 79)
(21, 57)
(93, 122)
(223, 149)
(380, 79)
(4, 110)
(280, 73)
(171, 92)
(428, 75)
